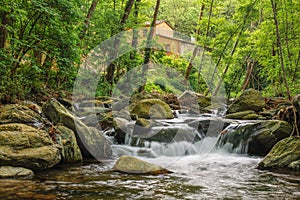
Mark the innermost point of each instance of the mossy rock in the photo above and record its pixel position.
(250, 100)
(121, 128)
(90, 140)
(131, 165)
(15, 113)
(152, 109)
(285, 153)
(259, 138)
(25, 146)
(70, 150)
(246, 115)
(22, 136)
(33, 158)
(15, 172)
(204, 101)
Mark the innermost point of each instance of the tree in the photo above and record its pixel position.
(114, 51)
(280, 54)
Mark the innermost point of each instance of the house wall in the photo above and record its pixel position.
(164, 36)
(164, 29)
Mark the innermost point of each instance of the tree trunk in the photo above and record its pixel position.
(280, 49)
(250, 67)
(196, 48)
(149, 46)
(150, 35)
(3, 30)
(135, 33)
(113, 54)
(88, 18)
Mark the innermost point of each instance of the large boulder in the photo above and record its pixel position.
(15, 113)
(90, 140)
(131, 165)
(15, 172)
(285, 154)
(152, 109)
(256, 138)
(26, 146)
(70, 151)
(250, 100)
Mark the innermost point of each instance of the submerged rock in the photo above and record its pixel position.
(284, 154)
(256, 138)
(90, 140)
(15, 172)
(250, 100)
(152, 109)
(131, 165)
(26, 146)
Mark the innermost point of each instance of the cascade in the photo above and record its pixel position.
(186, 141)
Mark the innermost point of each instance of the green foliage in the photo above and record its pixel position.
(41, 48)
(44, 44)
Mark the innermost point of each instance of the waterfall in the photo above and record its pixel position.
(185, 135)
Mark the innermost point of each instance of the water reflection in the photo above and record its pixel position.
(216, 176)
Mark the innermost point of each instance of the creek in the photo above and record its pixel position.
(202, 170)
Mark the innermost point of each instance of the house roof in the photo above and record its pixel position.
(160, 22)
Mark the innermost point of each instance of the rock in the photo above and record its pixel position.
(91, 120)
(92, 110)
(257, 138)
(70, 150)
(134, 99)
(188, 98)
(33, 158)
(121, 103)
(204, 101)
(152, 109)
(143, 126)
(15, 172)
(15, 113)
(90, 140)
(21, 136)
(285, 153)
(268, 114)
(25, 146)
(248, 114)
(131, 165)
(121, 128)
(295, 165)
(210, 127)
(250, 100)
(32, 106)
(106, 120)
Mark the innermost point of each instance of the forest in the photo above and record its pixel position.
(253, 43)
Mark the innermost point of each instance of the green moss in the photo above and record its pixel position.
(152, 109)
(282, 154)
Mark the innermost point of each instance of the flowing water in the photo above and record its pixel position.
(201, 171)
